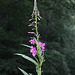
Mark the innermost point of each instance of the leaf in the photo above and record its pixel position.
(25, 73)
(28, 58)
(26, 45)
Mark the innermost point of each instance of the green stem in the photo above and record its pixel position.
(39, 70)
(36, 23)
(37, 40)
(36, 27)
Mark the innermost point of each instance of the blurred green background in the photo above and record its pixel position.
(57, 29)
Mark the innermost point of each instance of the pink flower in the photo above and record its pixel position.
(33, 28)
(41, 45)
(33, 51)
(31, 37)
(30, 19)
(30, 24)
(31, 32)
(32, 41)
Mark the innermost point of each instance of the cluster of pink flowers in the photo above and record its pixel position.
(32, 42)
(33, 50)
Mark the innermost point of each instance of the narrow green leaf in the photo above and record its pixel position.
(24, 72)
(26, 45)
(28, 58)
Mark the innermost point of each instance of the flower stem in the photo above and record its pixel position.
(36, 26)
(39, 70)
(36, 22)
(38, 50)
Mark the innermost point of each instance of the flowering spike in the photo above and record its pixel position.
(39, 49)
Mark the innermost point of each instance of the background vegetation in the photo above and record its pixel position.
(57, 29)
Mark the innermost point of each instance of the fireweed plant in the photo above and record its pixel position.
(37, 48)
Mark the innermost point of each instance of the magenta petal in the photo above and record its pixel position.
(40, 44)
(34, 54)
(42, 47)
(31, 50)
(32, 41)
(43, 44)
(42, 51)
(33, 28)
(31, 37)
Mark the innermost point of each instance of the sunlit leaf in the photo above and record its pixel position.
(28, 58)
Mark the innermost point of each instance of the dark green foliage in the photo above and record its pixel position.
(9, 64)
(56, 28)
(55, 64)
